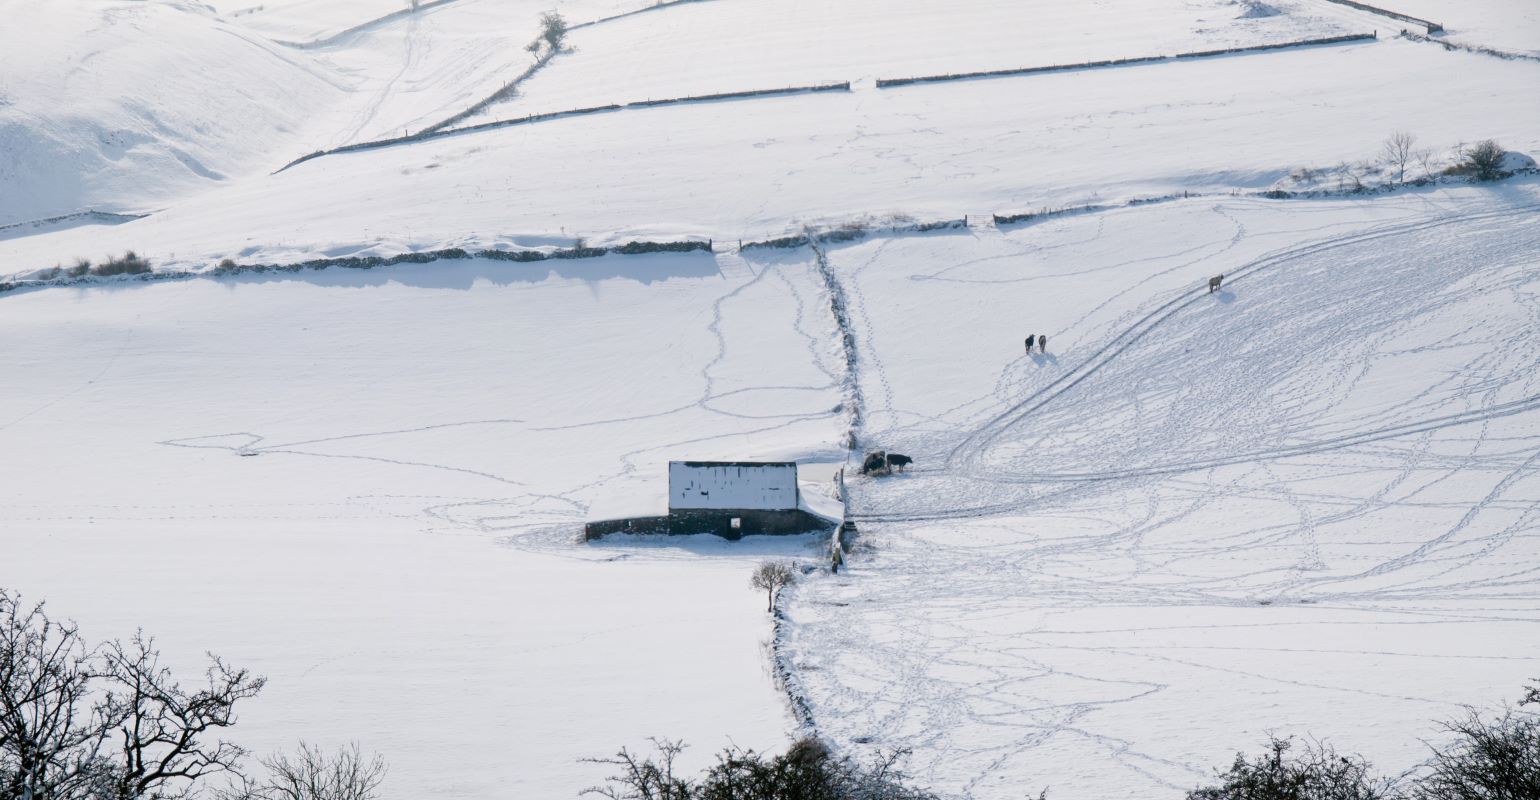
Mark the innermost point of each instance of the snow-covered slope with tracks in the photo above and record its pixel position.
(1299, 505)
(1302, 504)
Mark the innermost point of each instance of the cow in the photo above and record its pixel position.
(900, 461)
(1042, 342)
(1030, 341)
(875, 464)
(1214, 283)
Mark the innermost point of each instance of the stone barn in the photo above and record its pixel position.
(728, 498)
(737, 498)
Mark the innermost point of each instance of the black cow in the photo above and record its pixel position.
(875, 463)
(900, 461)
(1214, 283)
(1031, 340)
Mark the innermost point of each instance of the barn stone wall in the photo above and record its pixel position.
(683, 522)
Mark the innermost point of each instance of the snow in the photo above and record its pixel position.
(1296, 506)
(721, 170)
(419, 69)
(124, 106)
(740, 485)
(400, 557)
(701, 49)
(1513, 27)
(1302, 504)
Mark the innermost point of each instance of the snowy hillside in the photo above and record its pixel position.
(1305, 504)
(1299, 505)
(125, 106)
(700, 49)
(721, 170)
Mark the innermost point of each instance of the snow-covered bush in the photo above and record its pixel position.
(1315, 772)
(130, 263)
(808, 770)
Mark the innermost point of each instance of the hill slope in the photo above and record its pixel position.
(1299, 505)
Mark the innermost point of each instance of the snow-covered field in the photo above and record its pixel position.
(400, 556)
(1303, 504)
(708, 48)
(759, 168)
(1512, 27)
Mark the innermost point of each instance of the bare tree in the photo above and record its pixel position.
(772, 576)
(1426, 158)
(310, 773)
(165, 730)
(52, 729)
(79, 722)
(1398, 152)
(643, 777)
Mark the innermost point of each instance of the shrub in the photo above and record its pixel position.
(1304, 175)
(130, 263)
(81, 267)
(1484, 160)
(1490, 759)
(553, 29)
(1317, 772)
(808, 770)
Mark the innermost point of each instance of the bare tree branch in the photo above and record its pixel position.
(310, 773)
(52, 729)
(642, 778)
(165, 737)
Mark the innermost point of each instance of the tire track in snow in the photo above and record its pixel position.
(967, 456)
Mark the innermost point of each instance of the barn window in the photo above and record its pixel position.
(737, 523)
